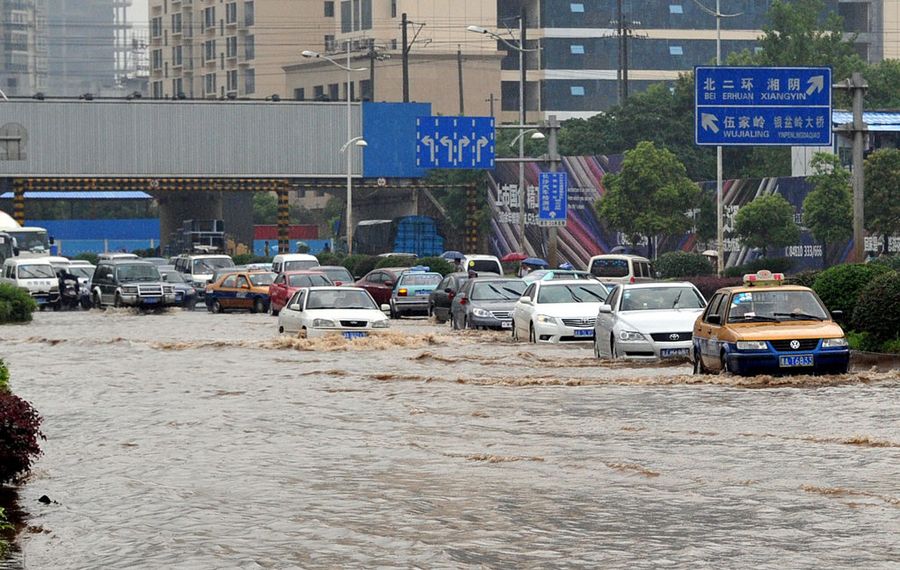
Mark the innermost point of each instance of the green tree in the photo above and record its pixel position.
(882, 193)
(883, 78)
(767, 221)
(827, 210)
(265, 208)
(651, 195)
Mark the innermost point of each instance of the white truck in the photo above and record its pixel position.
(25, 241)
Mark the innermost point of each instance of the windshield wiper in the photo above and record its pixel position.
(678, 298)
(799, 316)
(514, 292)
(754, 318)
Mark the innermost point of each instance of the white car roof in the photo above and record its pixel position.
(620, 256)
(568, 282)
(27, 261)
(656, 284)
(481, 256)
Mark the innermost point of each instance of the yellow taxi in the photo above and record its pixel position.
(765, 326)
(240, 290)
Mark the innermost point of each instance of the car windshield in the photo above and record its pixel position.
(482, 266)
(209, 265)
(308, 281)
(299, 265)
(610, 267)
(82, 271)
(261, 279)
(337, 274)
(335, 299)
(586, 293)
(497, 290)
(660, 299)
(778, 305)
(137, 272)
(31, 240)
(172, 276)
(36, 272)
(432, 279)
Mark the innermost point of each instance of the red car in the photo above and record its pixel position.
(286, 284)
(380, 282)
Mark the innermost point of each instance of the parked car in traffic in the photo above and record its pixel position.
(246, 290)
(185, 295)
(130, 282)
(486, 302)
(442, 296)
(284, 262)
(764, 326)
(558, 311)
(481, 264)
(199, 269)
(411, 292)
(286, 284)
(320, 311)
(621, 268)
(380, 283)
(647, 321)
(548, 274)
(34, 275)
(338, 274)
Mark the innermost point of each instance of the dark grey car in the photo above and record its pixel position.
(440, 299)
(486, 302)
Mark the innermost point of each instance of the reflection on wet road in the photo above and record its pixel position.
(193, 440)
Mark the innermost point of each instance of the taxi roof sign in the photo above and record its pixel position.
(763, 277)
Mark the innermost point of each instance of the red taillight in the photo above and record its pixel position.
(338, 283)
(451, 295)
(632, 279)
(463, 301)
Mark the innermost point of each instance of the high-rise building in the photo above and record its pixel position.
(81, 46)
(23, 49)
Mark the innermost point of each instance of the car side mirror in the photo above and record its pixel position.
(837, 315)
(526, 300)
(714, 319)
(604, 308)
(295, 307)
(15, 251)
(388, 283)
(385, 308)
(165, 277)
(448, 290)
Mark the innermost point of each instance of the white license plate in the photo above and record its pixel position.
(150, 300)
(506, 324)
(587, 333)
(350, 335)
(672, 352)
(423, 293)
(796, 360)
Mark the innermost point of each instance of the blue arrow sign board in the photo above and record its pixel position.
(455, 142)
(553, 197)
(765, 106)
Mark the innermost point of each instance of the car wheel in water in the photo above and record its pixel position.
(272, 310)
(280, 330)
(259, 306)
(596, 347)
(117, 302)
(302, 333)
(725, 368)
(613, 350)
(217, 307)
(531, 336)
(98, 304)
(515, 332)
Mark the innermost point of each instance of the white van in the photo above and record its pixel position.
(620, 268)
(294, 262)
(198, 269)
(481, 264)
(34, 275)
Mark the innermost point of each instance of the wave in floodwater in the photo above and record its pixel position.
(840, 492)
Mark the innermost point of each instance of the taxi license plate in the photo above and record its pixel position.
(423, 293)
(506, 324)
(587, 333)
(150, 300)
(672, 352)
(795, 360)
(41, 300)
(350, 335)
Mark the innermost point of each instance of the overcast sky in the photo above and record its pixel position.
(138, 13)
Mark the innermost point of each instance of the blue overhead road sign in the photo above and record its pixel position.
(763, 106)
(455, 142)
(553, 197)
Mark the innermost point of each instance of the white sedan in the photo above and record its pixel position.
(321, 311)
(558, 310)
(648, 321)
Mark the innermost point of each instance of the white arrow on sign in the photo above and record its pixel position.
(448, 142)
(482, 142)
(429, 142)
(552, 215)
(816, 84)
(463, 143)
(708, 122)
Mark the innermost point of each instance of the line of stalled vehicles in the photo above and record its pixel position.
(615, 306)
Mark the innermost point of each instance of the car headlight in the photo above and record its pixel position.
(382, 324)
(199, 284)
(130, 290)
(481, 313)
(834, 342)
(168, 290)
(546, 319)
(323, 323)
(630, 336)
(752, 345)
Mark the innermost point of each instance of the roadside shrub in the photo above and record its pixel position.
(678, 264)
(359, 264)
(245, 258)
(708, 285)
(16, 305)
(91, 258)
(4, 377)
(890, 261)
(20, 433)
(877, 310)
(396, 261)
(773, 264)
(5, 527)
(891, 346)
(437, 264)
(329, 258)
(149, 252)
(804, 278)
(839, 286)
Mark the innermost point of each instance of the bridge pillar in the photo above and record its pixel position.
(284, 218)
(19, 201)
(175, 207)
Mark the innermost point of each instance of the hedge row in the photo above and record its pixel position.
(16, 305)
(20, 432)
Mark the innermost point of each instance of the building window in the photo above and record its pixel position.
(209, 17)
(365, 89)
(676, 9)
(249, 13)
(250, 82)
(177, 87)
(156, 59)
(576, 90)
(393, 8)
(334, 92)
(576, 7)
(177, 56)
(300, 94)
(231, 80)
(576, 49)
(156, 27)
(157, 90)
(209, 50)
(329, 43)
(231, 46)
(231, 13)
(209, 83)
(250, 47)
(346, 17)
(329, 9)
(366, 14)
(319, 92)
(676, 50)
(176, 24)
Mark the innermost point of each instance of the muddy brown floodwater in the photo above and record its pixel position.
(190, 440)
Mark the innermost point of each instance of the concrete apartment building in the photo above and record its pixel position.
(81, 46)
(23, 49)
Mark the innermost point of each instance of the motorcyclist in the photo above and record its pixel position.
(68, 279)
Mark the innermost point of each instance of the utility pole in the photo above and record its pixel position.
(554, 158)
(405, 23)
(491, 101)
(624, 30)
(522, 114)
(373, 55)
(459, 67)
(857, 86)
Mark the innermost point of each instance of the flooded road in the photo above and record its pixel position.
(190, 440)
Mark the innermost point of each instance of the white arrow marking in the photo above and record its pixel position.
(463, 143)
(552, 215)
(816, 84)
(482, 142)
(428, 141)
(447, 142)
(708, 122)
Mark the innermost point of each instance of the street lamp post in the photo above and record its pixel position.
(359, 141)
